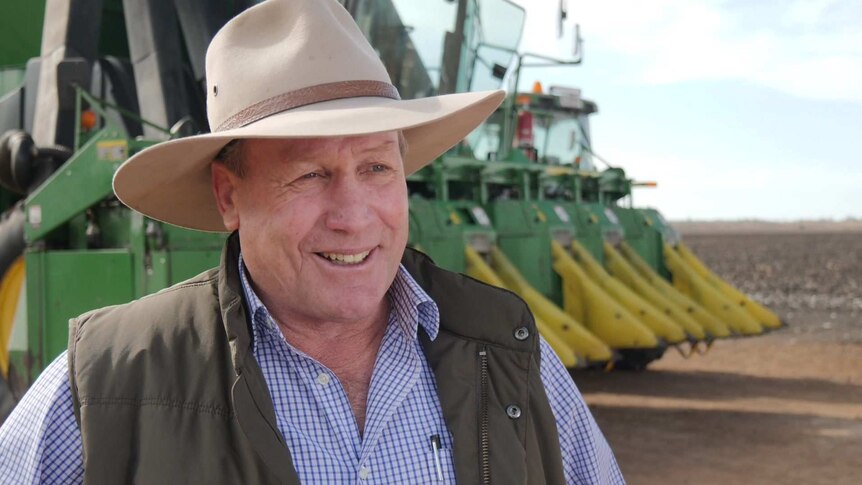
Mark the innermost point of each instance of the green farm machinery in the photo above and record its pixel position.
(518, 204)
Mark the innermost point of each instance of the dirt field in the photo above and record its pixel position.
(780, 408)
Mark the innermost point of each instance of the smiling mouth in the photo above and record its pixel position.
(345, 259)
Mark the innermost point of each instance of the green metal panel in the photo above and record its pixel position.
(663, 233)
(79, 281)
(20, 31)
(164, 255)
(185, 264)
(562, 229)
(523, 235)
(441, 229)
(114, 223)
(609, 225)
(31, 365)
(178, 238)
(157, 272)
(588, 222)
(65, 284)
(475, 229)
(81, 182)
(645, 231)
(436, 234)
(643, 234)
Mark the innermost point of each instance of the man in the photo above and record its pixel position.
(319, 351)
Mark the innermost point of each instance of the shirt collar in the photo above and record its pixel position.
(411, 305)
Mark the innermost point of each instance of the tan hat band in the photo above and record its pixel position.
(306, 96)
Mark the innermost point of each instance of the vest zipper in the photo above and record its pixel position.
(484, 438)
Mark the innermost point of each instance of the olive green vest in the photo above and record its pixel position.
(166, 389)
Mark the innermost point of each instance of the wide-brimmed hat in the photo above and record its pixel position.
(290, 69)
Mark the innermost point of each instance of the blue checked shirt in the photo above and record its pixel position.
(41, 442)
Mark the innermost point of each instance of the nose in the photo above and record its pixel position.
(349, 208)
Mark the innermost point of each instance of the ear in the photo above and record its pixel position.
(224, 183)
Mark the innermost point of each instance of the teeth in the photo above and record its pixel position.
(346, 258)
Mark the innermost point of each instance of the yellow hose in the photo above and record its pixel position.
(564, 352)
(661, 325)
(479, 269)
(713, 325)
(10, 290)
(620, 268)
(756, 310)
(605, 317)
(585, 346)
(689, 282)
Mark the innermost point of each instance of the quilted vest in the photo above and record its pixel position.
(166, 389)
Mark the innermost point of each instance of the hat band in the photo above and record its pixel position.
(306, 96)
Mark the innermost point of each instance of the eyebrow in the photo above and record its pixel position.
(380, 147)
(304, 156)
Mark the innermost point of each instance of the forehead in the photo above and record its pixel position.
(311, 149)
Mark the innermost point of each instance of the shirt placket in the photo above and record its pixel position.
(396, 372)
(329, 396)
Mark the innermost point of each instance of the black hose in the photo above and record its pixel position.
(58, 152)
(11, 236)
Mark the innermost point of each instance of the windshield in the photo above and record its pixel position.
(409, 36)
(418, 42)
(496, 33)
(563, 139)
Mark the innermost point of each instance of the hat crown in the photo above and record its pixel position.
(281, 46)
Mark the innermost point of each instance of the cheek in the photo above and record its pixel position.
(394, 207)
(292, 228)
(277, 225)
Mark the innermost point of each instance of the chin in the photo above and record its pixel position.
(357, 306)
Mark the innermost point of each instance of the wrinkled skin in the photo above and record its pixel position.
(298, 199)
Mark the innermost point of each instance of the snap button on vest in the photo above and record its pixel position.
(521, 333)
(513, 411)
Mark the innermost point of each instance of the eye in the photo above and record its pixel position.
(317, 174)
(308, 178)
(378, 168)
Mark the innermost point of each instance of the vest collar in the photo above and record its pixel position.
(231, 304)
(457, 295)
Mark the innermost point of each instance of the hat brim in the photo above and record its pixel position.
(170, 181)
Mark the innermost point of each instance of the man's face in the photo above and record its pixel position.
(322, 222)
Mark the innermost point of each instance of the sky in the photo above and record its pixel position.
(737, 109)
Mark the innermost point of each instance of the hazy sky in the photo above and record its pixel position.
(738, 109)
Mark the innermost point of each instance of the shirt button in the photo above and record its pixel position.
(323, 379)
(363, 473)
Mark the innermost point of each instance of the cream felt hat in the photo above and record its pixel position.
(290, 69)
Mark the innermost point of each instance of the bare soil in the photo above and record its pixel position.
(785, 407)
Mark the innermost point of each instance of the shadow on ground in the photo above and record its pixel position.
(702, 427)
(678, 446)
(716, 386)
